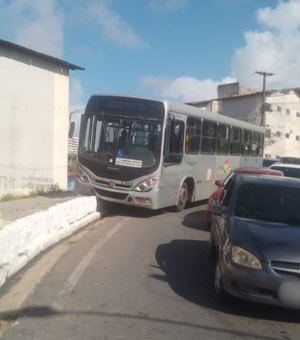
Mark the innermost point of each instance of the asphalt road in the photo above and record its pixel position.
(135, 274)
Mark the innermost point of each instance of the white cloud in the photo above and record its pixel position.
(35, 24)
(76, 94)
(274, 49)
(285, 17)
(169, 5)
(111, 25)
(184, 89)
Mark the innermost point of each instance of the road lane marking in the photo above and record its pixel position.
(79, 270)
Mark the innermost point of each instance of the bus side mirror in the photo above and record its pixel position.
(218, 183)
(71, 129)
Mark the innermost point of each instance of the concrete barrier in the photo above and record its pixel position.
(25, 238)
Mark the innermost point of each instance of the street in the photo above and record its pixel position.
(135, 274)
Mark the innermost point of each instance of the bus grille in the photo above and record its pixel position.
(110, 194)
(116, 185)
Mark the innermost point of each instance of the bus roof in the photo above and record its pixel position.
(186, 109)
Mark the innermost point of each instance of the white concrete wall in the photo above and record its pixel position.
(60, 128)
(284, 123)
(33, 123)
(246, 108)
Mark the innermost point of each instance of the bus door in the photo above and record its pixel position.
(173, 170)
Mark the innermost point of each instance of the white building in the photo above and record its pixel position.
(34, 119)
(73, 145)
(282, 115)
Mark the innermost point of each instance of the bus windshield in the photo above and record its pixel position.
(131, 141)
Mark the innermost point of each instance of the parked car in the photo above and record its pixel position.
(290, 160)
(289, 170)
(255, 237)
(267, 162)
(214, 198)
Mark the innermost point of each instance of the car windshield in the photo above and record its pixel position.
(265, 202)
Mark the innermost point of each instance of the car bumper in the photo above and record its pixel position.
(262, 286)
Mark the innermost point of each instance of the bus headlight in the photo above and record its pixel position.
(82, 175)
(146, 185)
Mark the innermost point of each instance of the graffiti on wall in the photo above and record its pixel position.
(30, 182)
(25, 182)
(7, 182)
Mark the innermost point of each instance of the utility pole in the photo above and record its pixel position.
(263, 106)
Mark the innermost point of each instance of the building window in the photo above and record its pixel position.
(297, 114)
(287, 135)
(288, 111)
(278, 108)
(297, 138)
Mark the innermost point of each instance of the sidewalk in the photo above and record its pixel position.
(29, 226)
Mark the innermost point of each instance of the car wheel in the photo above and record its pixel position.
(219, 289)
(182, 197)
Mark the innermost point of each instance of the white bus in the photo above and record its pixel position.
(156, 153)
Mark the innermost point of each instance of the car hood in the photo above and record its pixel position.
(268, 241)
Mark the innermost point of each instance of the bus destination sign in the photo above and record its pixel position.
(125, 105)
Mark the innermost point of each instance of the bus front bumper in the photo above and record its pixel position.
(147, 199)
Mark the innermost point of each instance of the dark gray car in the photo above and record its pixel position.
(255, 240)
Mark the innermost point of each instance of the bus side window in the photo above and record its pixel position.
(192, 137)
(261, 145)
(246, 143)
(235, 141)
(174, 143)
(223, 139)
(209, 137)
(254, 144)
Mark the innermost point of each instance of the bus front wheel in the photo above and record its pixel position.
(182, 197)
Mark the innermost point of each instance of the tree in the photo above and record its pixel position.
(272, 137)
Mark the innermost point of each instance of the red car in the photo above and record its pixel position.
(216, 195)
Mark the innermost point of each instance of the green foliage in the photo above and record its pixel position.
(10, 197)
(273, 137)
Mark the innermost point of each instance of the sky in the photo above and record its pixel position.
(174, 49)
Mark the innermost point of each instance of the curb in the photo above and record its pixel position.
(27, 237)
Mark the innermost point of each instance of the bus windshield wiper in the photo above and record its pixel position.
(104, 124)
